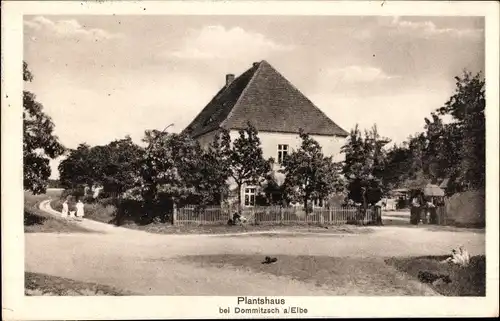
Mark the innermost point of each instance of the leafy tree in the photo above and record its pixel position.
(397, 168)
(456, 149)
(246, 162)
(39, 142)
(120, 162)
(377, 155)
(168, 161)
(113, 166)
(309, 174)
(77, 170)
(274, 192)
(364, 165)
(466, 107)
(453, 150)
(213, 171)
(355, 155)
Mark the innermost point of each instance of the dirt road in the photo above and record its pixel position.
(148, 263)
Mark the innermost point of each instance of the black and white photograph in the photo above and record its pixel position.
(257, 157)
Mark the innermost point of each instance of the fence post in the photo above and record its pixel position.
(174, 214)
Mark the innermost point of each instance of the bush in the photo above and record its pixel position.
(107, 201)
(73, 192)
(121, 211)
(100, 213)
(466, 209)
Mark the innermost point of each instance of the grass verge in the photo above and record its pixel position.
(344, 275)
(99, 213)
(465, 281)
(37, 221)
(226, 229)
(42, 284)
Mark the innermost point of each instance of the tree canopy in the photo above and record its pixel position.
(39, 142)
(365, 165)
(451, 146)
(309, 174)
(246, 162)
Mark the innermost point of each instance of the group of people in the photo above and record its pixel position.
(76, 212)
(424, 209)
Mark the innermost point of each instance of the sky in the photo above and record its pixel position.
(101, 78)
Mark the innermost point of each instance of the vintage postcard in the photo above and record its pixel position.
(249, 159)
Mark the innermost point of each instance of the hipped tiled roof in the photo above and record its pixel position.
(262, 96)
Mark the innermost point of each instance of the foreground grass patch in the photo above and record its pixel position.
(346, 276)
(43, 284)
(465, 281)
(37, 221)
(226, 229)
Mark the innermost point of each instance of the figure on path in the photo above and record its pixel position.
(79, 209)
(65, 209)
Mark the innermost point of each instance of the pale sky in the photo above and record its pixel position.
(103, 77)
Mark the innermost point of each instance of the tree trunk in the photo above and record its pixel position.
(174, 214)
(306, 204)
(239, 198)
(365, 206)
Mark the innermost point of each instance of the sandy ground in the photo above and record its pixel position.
(147, 263)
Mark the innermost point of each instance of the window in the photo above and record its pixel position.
(250, 196)
(282, 152)
(318, 203)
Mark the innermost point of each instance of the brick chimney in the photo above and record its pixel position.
(229, 79)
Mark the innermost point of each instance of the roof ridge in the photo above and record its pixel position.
(237, 103)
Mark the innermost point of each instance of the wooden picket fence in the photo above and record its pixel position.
(201, 216)
(276, 215)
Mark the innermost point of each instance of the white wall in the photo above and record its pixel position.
(330, 145)
(206, 139)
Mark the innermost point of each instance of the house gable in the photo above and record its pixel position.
(270, 102)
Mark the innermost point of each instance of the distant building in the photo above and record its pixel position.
(263, 97)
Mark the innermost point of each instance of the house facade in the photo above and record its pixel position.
(277, 109)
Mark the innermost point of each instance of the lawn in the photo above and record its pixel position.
(37, 221)
(345, 275)
(43, 284)
(466, 281)
(227, 229)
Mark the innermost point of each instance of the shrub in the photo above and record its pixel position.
(108, 201)
(100, 213)
(74, 192)
(466, 208)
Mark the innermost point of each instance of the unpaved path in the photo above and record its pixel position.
(147, 263)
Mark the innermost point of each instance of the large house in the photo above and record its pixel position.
(263, 97)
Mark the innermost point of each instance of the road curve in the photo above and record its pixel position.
(149, 264)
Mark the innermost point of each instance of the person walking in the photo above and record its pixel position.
(415, 214)
(79, 209)
(65, 209)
